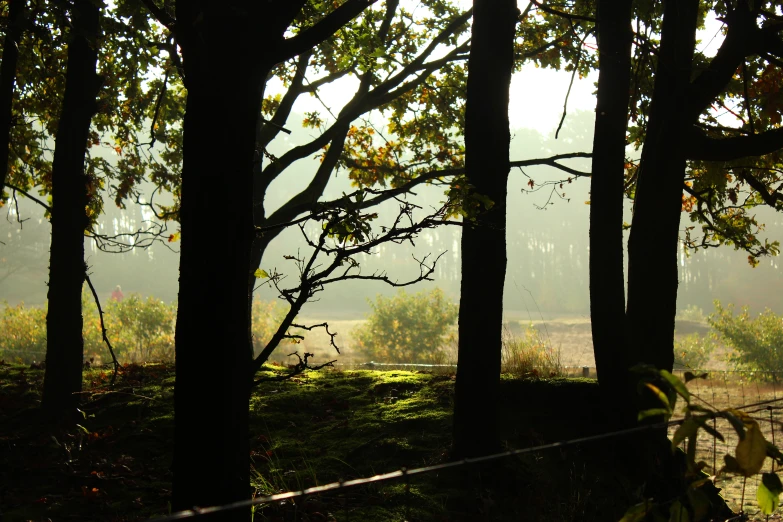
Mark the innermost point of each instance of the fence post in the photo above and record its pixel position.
(585, 371)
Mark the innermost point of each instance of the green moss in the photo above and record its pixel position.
(310, 430)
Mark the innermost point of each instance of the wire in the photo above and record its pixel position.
(404, 473)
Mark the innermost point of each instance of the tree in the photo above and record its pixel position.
(215, 297)
(687, 150)
(607, 283)
(14, 25)
(71, 198)
(487, 140)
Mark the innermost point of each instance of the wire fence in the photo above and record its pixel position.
(405, 473)
(739, 492)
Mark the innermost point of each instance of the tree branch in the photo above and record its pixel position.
(324, 29)
(160, 15)
(702, 147)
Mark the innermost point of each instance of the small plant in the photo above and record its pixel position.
(692, 352)
(407, 327)
(699, 499)
(757, 342)
(531, 355)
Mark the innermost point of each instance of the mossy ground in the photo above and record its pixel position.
(112, 462)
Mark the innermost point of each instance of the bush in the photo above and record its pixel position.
(531, 355)
(692, 352)
(407, 328)
(23, 333)
(138, 329)
(757, 342)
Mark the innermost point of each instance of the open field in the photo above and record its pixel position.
(570, 335)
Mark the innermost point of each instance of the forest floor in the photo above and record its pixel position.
(112, 463)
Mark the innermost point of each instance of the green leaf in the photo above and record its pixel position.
(709, 429)
(661, 396)
(653, 412)
(85, 430)
(730, 465)
(689, 376)
(678, 512)
(768, 493)
(752, 450)
(736, 423)
(686, 430)
(261, 274)
(774, 453)
(677, 384)
(637, 513)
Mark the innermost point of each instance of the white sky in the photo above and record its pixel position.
(537, 94)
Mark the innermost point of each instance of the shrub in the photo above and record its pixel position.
(140, 329)
(531, 355)
(757, 342)
(692, 351)
(407, 328)
(23, 333)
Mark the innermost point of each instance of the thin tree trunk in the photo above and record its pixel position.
(487, 141)
(16, 12)
(607, 283)
(213, 343)
(70, 197)
(653, 244)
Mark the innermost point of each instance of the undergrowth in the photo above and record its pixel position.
(112, 461)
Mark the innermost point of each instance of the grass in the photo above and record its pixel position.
(310, 430)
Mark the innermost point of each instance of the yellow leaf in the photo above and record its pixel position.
(752, 450)
(261, 273)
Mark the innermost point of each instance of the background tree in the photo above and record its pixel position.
(487, 140)
(70, 199)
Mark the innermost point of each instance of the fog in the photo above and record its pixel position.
(547, 245)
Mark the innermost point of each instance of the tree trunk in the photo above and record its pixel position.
(487, 141)
(653, 244)
(16, 11)
(213, 343)
(607, 283)
(70, 197)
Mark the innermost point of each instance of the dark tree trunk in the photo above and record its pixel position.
(487, 141)
(16, 11)
(213, 345)
(70, 197)
(607, 283)
(653, 244)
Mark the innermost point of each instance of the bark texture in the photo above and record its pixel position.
(70, 197)
(607, 283)
(487, 141)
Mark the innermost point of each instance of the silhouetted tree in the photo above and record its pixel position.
(483, 257)
(70, 203)
(14, 24)
(607, 194)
